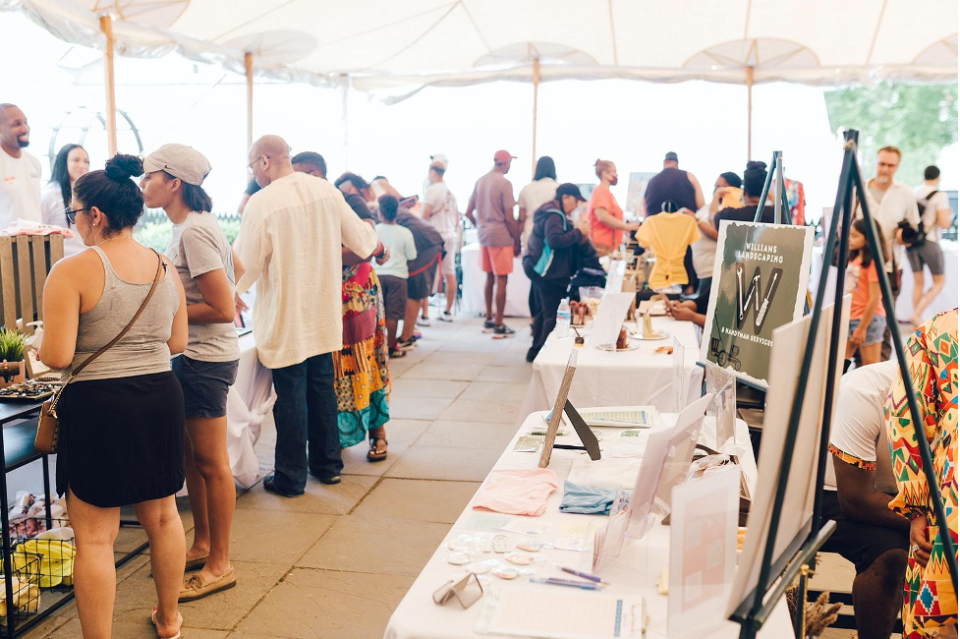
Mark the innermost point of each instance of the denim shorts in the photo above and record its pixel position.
(205, 386)
(875, 329)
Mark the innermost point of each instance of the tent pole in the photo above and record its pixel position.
(536, 91)
(345, 118)
(749, 113)
(110, 121)
(248, 71)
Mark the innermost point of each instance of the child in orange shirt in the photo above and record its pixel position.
(867, 317)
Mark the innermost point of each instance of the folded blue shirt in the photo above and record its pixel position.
(586, 499)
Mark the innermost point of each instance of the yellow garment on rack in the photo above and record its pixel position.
(56, 560)
(26, 597)
(668, 235)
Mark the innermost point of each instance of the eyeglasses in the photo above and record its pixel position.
(250, 166)
(71, 214)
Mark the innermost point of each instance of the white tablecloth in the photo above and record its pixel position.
(474, 280)
(612, 379)
(946, 300)
(418, 617)
(249, 404)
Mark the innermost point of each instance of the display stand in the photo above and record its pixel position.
(799, 560)
(562, 405)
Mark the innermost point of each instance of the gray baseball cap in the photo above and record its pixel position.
(180, 161)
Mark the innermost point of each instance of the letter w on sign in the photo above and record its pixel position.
(749, 297)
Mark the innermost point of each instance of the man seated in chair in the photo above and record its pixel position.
(858, 486)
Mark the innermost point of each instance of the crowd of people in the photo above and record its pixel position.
(343, 271)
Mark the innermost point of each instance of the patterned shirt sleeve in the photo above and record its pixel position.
(913, 492)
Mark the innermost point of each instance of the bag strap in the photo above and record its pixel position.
(161, 268)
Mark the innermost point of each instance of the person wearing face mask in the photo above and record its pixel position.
(19, 171)
(199, 249)
(603, 212)
(72, 162)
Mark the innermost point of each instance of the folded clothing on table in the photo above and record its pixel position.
(517, 492)
(587, 500)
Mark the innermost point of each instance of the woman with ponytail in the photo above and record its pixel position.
(121, 418)
(172, 180)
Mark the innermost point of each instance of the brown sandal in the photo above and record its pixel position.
(375, 455)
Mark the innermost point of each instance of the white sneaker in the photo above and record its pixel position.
(423, 321)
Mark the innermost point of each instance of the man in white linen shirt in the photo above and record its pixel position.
(19, 171)
(292, 231)
(440, 209)
(891, 202)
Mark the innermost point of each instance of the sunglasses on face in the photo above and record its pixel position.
(71, 214)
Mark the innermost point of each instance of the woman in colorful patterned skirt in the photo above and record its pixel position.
(362, 381)
(929, 600)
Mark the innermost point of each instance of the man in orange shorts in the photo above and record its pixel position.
(499, 232)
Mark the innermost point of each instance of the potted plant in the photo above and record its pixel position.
(11, 358)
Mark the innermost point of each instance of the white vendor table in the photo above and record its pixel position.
(418, 617)
(474, 281)
(603, 379)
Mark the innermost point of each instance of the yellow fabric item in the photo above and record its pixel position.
(56, 560)
(668, 235)
(732, 199)
(26, 596)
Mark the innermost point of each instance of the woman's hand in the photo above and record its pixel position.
(386, 255)
(919, 539)
(856, 339)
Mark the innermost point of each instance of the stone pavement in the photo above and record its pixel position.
(338, 560)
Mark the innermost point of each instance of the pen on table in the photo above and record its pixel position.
(585, 575)
(565, 582)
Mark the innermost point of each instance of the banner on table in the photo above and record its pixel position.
(759, 284)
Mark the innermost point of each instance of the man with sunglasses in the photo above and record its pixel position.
(891, 202)
(19, 171)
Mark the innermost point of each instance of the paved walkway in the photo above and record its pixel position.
(338, 560)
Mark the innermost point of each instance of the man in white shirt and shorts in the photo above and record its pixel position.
(440, 210)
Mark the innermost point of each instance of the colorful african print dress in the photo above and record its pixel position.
(929, 600)
(362, 381)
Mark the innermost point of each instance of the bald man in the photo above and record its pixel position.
(19, 171)
(292, 231)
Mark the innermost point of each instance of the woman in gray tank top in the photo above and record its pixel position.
(121, 420)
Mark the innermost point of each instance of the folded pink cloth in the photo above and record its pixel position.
(517, 492)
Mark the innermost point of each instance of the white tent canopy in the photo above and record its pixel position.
(385, 44)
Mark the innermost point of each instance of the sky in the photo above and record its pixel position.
(632, 123)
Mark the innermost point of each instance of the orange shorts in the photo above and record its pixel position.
(496, 259)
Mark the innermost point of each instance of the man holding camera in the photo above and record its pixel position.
(894, 207)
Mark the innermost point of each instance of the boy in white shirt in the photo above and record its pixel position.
(394, 272)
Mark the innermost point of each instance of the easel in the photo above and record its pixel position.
(780, 204)
(562, 405)
(799, 558)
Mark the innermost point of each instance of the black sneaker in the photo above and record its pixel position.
(503, 331)
(406, 344)
(270, 485)
(397, 353)
(489, 325)
(324, 479)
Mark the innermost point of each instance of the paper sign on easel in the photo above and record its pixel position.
(611, 314)
(703, 549)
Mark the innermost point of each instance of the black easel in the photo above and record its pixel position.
(777, 574)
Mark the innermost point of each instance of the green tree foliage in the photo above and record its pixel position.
(919, 119)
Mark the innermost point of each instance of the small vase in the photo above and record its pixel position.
(12, 373)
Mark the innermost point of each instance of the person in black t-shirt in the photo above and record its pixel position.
(753, 179)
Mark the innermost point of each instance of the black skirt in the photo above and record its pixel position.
(121, 440)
